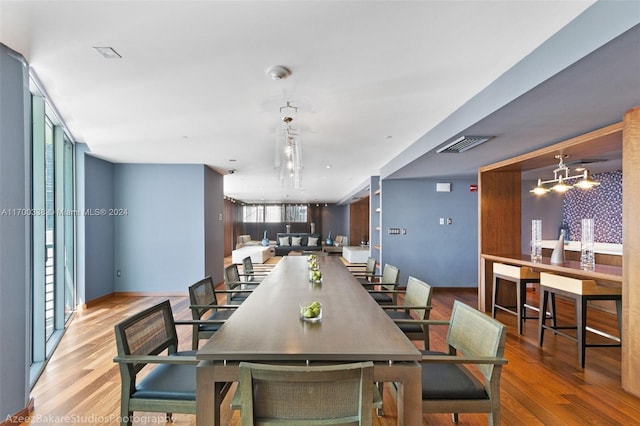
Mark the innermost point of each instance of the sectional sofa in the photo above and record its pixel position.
(297, 241)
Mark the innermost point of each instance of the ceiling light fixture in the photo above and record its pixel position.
(560, 178)
(288, 152)
(278, 72)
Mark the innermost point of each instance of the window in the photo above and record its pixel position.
(252, 214)
(53, 231)
(274, 213)
(295, 213)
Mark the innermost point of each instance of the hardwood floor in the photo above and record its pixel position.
(540, 386)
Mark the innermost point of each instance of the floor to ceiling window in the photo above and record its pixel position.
(53, 230)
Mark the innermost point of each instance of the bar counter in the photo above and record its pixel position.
(605, 275)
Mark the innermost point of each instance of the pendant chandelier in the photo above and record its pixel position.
(560, 178)
(288, 152)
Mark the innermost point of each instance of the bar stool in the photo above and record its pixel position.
(520, 277)
(580, 291)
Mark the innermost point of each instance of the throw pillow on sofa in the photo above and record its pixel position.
(284, 241)
(313, 242)
(295, 241)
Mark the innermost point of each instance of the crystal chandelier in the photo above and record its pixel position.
(560, 178)
(288, 153)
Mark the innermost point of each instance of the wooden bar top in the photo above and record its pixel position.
(267, 327)
(604, 274)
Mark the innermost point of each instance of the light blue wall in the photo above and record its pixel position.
(99, 230)
(374, 218)
(547, 208)
(214, 224)
(15, 185)
(159, 242)
(441, 255)
(335, 219)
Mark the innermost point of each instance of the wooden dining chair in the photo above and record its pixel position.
(148, 340)
(250, 273)
(383, 291)
(204, 306)
(416, 306)
(366, 275)
(476, 342)
(305, 395)
(237, 289)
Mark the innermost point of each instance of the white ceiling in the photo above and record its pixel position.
(370, 78)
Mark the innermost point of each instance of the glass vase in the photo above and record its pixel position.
(587, 255)
(536, 240)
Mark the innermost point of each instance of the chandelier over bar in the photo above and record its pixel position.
(288, 153)
(560, 178)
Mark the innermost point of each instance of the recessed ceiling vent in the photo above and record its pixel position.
(463, 143)
(579, 165)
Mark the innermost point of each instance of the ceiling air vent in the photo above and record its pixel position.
(463, 143)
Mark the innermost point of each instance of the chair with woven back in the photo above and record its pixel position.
(170, 385)
(416, 306)
(237, 289)
(475, 342)
(305, 395)
(250, 272)
(383, 291)
(366, 275)
(204, 307)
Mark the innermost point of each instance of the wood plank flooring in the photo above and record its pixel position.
(540, 386)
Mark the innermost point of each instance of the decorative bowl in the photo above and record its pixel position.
(315, 276)
(311, 312)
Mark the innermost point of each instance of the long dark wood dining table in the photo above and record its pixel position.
(267, 328)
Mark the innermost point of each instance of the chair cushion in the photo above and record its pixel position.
(381, 297)
(449, 381)
(365, 282)
(216, 315)
(406, 328)
(169, 381)
(238, 297)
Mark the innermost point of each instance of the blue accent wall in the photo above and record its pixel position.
(159, 243)
(335, 219)
(547, 208)
(15, 275)
(374, 218)
(99, 229)
(441, 255)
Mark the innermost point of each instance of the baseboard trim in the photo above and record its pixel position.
(91, 303)
(107, 297)
(148, 294)
(22, 416)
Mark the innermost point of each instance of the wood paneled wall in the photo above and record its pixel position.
(358, 221)
(499, 221)
(631, 252)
